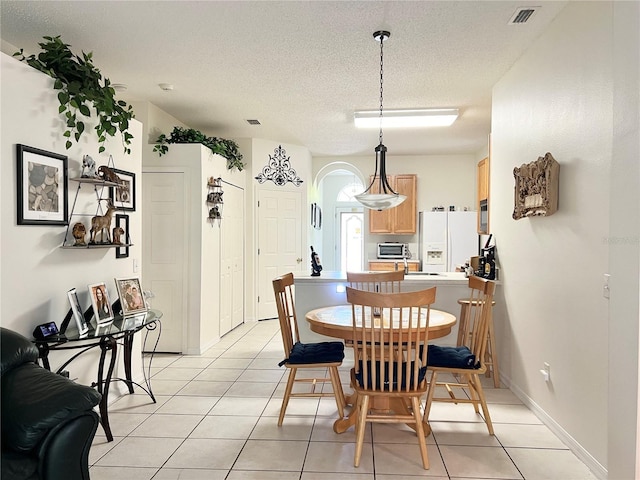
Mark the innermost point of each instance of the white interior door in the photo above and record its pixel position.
(164, 226)
(232, 260)
(279, 243)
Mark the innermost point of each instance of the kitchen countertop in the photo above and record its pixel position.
(444, 278)
(392, 260)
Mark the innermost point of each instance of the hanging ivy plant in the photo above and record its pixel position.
(81, 85)
(227, 148)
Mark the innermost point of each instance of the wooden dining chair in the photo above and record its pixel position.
(391, 363)
(491, 352)
(383, 282)
(300, 356)
(465, 362)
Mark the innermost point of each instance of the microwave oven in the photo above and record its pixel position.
(393, 250)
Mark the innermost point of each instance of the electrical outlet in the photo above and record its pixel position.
(605, 288)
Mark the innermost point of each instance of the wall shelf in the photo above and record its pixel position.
(97, 245)
(99, 184)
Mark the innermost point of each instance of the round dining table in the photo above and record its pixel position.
(336, 321)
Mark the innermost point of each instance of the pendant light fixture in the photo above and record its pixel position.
(386, 197)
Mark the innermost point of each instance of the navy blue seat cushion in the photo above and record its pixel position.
(451, 357)
(323, 352)
(388, 380)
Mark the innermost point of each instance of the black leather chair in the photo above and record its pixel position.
(48, 422)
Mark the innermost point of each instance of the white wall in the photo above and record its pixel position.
(624, 240)
(256, 153)
(35, 272)
(558, 98)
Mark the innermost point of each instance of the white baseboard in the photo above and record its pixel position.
(596, 467)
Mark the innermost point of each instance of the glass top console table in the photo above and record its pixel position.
(107, 336)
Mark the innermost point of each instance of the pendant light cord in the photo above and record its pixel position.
(381, 72)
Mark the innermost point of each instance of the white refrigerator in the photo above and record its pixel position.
(446, 239)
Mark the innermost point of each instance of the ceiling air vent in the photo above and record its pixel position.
(253, 122)
(523, 15)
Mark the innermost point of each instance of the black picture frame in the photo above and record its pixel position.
(316, 216)
(43, 187)
(124, 196)
(122, 221)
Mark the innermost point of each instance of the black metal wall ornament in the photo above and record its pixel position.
(214, 199)
(279, 170)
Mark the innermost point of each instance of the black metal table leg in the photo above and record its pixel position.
(106, 344)
(128, 349)
(43, 352)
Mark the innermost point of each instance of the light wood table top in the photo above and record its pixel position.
(336, 321)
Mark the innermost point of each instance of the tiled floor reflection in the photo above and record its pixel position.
(216, 414)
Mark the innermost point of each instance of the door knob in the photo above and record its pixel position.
(299, 260)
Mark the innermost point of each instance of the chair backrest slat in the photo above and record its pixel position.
(383, 282)
(389, 348)
(480, 304)
(283, 289)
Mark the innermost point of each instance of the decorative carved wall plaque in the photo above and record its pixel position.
(536, 189)
(279, 170)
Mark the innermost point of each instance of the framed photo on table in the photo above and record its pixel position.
(102, 310)
(42, 187)
(131, 296)
(124, 196)
(81, 323)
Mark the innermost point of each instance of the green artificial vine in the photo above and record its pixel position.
(81, 84)
(227, 148)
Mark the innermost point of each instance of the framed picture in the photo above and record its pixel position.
(77, 311)
(131, 296)
(316, 216)
(42, 187)
(124, 196)
(102, 310)
(121, 235)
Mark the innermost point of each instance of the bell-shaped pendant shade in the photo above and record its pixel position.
(385, 198)
(380, 201)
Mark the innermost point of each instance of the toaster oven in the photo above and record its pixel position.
(393, 250)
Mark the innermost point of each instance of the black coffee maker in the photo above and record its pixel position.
(487, 261)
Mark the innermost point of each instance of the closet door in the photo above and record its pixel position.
(232, 259)
(164, 254)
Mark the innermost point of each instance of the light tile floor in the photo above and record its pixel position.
(216, 414)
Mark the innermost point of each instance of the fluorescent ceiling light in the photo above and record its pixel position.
(430, 117)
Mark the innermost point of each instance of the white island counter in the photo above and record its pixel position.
(329, 289)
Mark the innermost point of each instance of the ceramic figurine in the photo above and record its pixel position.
(79, 231)
(89, 167)
(118, 232)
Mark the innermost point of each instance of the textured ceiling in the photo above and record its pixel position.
(300, 68)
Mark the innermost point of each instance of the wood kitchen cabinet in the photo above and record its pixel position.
(391, 266)
(483, 192)
(401, 219)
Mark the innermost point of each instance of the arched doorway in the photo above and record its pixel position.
(342, 236)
